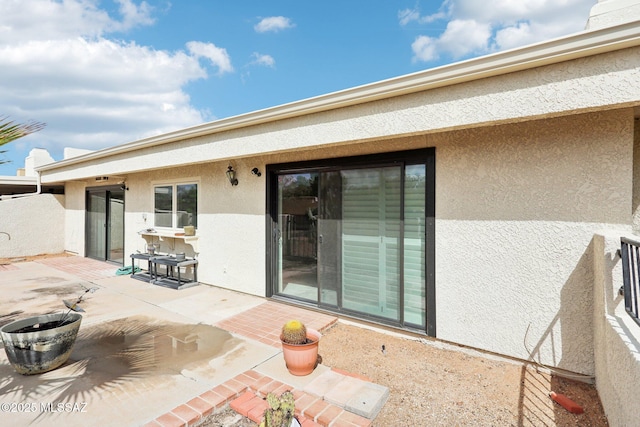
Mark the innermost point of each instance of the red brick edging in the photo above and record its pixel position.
(245, 393)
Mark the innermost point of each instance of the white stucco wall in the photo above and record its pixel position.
(528, 166)
(231, 222)
(32, 231)
(516, 209)
(617, 337)
(74, 218)
(611, 12)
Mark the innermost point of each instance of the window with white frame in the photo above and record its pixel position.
(175, 205)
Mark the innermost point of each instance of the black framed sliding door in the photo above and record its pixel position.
(356, 235)
(104, 224)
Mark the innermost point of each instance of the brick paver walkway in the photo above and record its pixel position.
(84, 268)
(264, 322)
(246, 393)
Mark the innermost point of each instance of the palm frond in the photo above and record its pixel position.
(10, 130)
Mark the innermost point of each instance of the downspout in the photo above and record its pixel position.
(38, 190)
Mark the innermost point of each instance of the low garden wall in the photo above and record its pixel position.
(616, 336)
(32, 225)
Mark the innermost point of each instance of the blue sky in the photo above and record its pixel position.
(103, 73)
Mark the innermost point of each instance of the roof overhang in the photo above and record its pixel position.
(575, 46)
(18, 180)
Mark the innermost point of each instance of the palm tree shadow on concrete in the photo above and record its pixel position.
(110, 357)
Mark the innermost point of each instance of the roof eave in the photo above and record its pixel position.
(578, 45)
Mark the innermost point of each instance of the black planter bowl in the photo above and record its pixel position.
(39, 344)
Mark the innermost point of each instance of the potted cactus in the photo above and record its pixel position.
(299, 347)
(280, 412)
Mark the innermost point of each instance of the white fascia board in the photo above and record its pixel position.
(579, 45)
(18, 180)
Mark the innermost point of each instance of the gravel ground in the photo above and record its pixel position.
(431, 386)
(226, 417)
(434, 386)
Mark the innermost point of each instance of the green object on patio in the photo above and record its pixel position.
(122, 271)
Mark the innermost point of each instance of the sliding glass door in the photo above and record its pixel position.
(104, 233)
(352, 236)
(371, 221)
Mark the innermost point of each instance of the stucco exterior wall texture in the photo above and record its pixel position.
(516, 209)
(31, 232)
(231, 222)
(528, 166)
(74, 219)
(616, 344)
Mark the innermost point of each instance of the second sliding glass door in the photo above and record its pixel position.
(104, 237)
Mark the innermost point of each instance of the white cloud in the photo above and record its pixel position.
(424, 49)
(50, 20)
(134, 15)
(463, 37)
(407, 16)
(475, 27)
(515, 35)
(60, 67)
(217, 55)
(262, 59)
(85, 90)
(273, 24)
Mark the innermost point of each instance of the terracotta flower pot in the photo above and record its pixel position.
(37, 344)
(302, 359)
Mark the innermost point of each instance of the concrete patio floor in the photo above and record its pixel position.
(153, 356)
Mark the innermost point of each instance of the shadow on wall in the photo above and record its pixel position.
(617, 343)
(536, 408)
(573, 349)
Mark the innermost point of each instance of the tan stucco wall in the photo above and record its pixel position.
(74, 219)
(516, 206)
(636, 178)
(516, 210)
(616, 336)
(230, 222)
(35, 225)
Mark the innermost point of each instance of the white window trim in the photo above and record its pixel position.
(173, 183)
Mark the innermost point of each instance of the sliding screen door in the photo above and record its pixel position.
(370, 241)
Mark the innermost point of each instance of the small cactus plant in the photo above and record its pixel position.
(280, 411)
(294, 332)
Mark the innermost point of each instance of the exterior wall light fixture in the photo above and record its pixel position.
(231, 175)
(256, 172)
